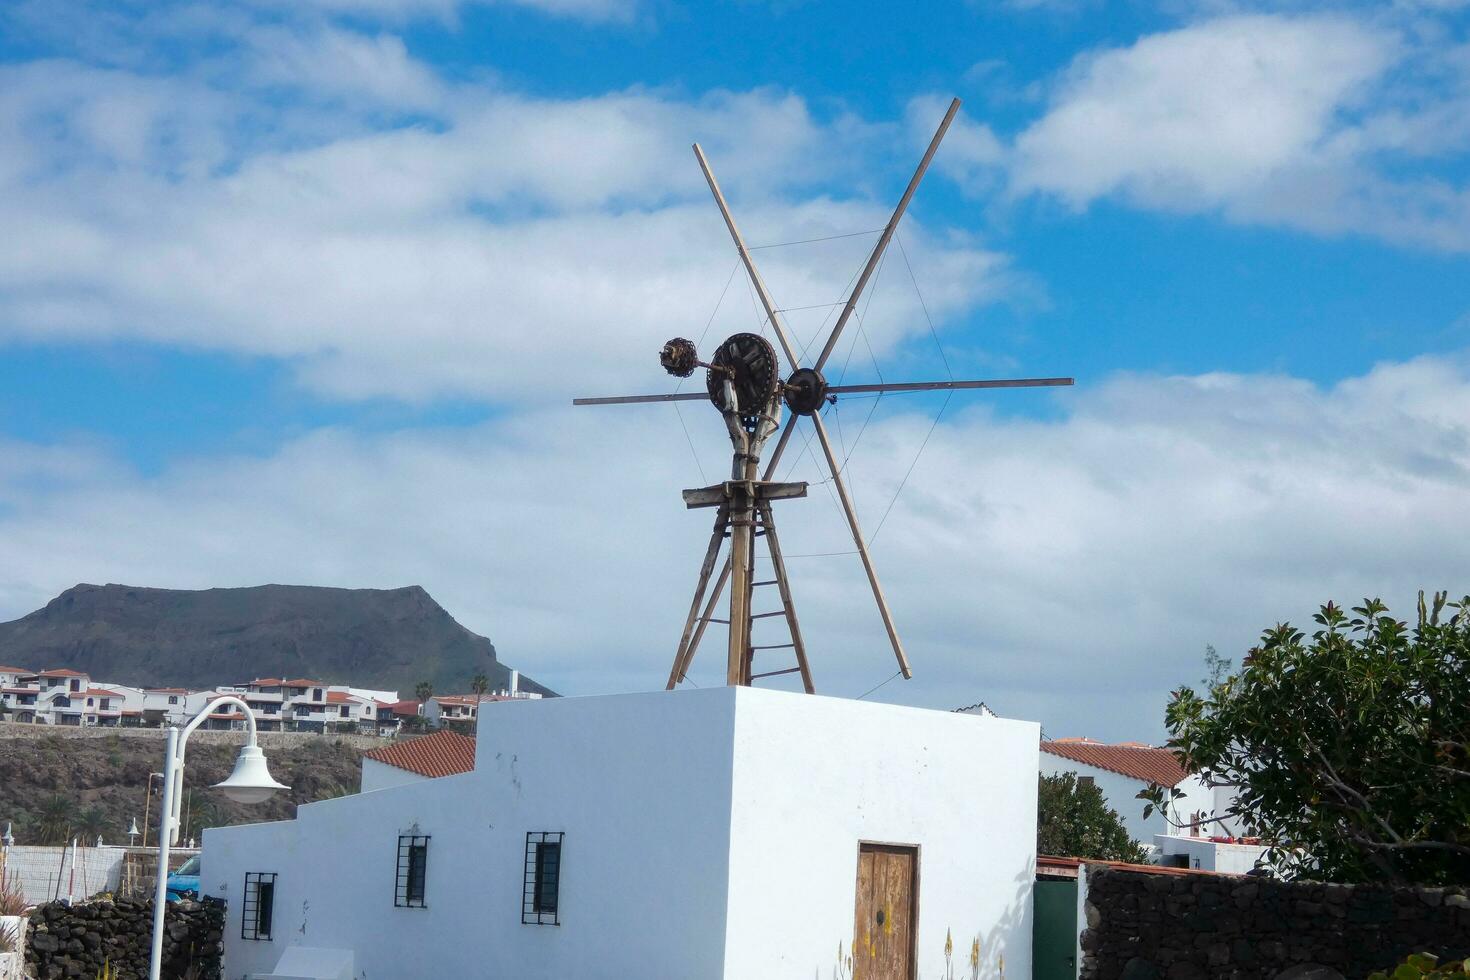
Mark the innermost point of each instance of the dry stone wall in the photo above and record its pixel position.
(1154, 926)
(80, 940)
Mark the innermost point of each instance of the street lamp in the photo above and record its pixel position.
(251, 782)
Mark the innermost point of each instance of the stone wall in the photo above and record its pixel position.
(79, 940)
(1189, 926)
(268, 740)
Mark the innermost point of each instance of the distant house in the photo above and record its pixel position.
(1123, 770)
(442, 753)
(443, 709)
(19, 699)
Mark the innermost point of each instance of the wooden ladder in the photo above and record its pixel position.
(694, 628)
(765, 527)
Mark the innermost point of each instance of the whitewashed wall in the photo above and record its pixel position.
(380, 775)
(815, 776)
(640, 786)
(658, 878)
(1121, 793)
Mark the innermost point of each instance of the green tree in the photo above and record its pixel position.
(480, 684)
(1350, 748)
(1074, 820)
(55, 819)
(1217, 668)
(423, 690)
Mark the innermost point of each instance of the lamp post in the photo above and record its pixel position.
(147, 800)
(251, 782)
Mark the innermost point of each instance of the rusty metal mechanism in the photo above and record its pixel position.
(748, 362)
(679, 357)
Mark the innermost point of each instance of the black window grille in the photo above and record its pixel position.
(542, 890)
(413, 867)
(259, 906)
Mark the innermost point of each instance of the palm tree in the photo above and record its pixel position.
(480, 684)
(92, 824)
(55, 819)
(423, 690)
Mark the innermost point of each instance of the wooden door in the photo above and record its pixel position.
(883, 931)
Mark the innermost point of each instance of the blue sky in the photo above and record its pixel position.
(299, 292)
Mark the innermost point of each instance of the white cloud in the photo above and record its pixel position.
(1305, 121)
(1070, 570)
(329, 62)
(1197, 116)
(446, 256)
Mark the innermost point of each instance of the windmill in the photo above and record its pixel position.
(743, 381)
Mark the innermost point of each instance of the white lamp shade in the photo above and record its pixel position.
(251, 781)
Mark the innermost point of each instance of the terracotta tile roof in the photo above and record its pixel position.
(407, 708)
(1142, 762)
(460, 698)
(14, 670)
(302, 682)
(62, 672)
(102, 692)
(439, 754)
(265, 682)
(340, 697)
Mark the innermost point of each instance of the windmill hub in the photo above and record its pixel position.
(805, 391)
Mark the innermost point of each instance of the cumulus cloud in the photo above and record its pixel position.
(445, 255)
(1306, 120)
(1082, 561)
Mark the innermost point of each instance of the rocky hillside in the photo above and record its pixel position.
(386, 639)
(55, 787)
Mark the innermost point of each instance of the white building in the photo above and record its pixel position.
(1223, 855)
(1124, 770)
(726, 832)
(443, 753)
(63, 697)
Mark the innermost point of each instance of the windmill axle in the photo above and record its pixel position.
(747, 358)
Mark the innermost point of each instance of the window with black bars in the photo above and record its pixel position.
(413, 866)
(259, 906)
(539, 898)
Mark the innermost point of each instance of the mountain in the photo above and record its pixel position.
(384, 639)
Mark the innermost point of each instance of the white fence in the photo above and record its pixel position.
(48, 873)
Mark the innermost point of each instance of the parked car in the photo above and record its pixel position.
(184, 883)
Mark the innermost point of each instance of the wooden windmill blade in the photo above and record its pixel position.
(887, 235)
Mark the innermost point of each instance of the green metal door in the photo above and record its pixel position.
(1054, 930)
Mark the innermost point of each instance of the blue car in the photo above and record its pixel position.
(184, 883)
